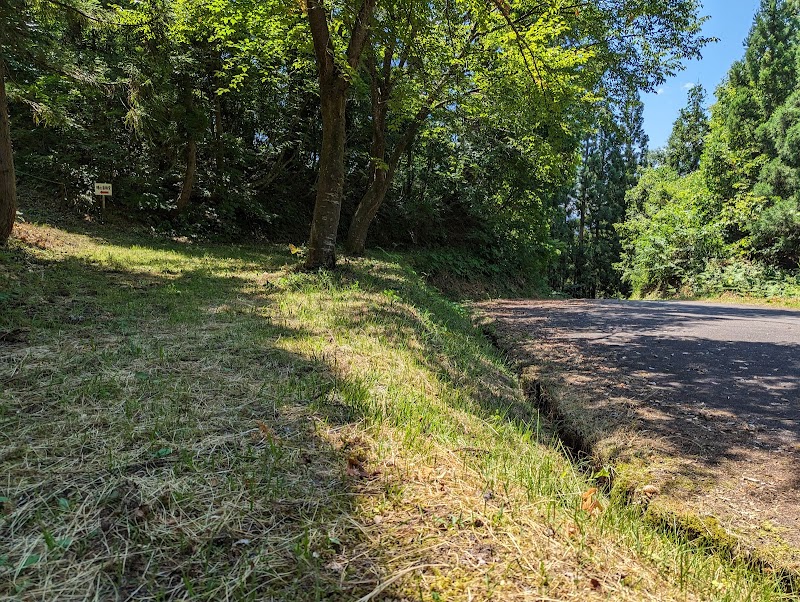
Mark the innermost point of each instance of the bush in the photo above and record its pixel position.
(669, 238)
(776, 234)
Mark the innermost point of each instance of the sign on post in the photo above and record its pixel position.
(102, 190)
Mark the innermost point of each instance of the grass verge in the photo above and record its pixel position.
(187, 421)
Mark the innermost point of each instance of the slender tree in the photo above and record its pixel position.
(8, 185)
(528, 45)
(335, 73)
(31, 42)
(770, 58)
(686, 142)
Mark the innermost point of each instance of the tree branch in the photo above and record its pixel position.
(360, 32)
(321, 36)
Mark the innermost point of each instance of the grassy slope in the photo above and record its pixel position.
(778, 301)
(183, 421)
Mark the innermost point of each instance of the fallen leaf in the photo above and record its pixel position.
(589, 503)
(264, 432)
(650, 490)
(355, 468)
(572, 530)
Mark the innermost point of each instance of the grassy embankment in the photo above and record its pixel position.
(188, 421)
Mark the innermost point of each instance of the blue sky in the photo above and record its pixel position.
(730, 22)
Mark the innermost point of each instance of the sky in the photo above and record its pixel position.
(730, 22)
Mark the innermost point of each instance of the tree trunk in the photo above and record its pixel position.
(379, 176)
(330, 184)
(383, 172)
(8, 184)
(188, 177)
(379, 186)
(218, 147)
(333, 86)
(365, 213)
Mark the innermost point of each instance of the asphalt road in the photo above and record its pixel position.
(710, 391)
(744, 359)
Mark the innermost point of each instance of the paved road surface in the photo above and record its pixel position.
(720, 384)
(732, 357)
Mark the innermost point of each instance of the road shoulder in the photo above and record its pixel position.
(694, 469)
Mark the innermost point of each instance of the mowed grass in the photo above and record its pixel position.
(202, 422)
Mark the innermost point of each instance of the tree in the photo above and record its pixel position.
(29, 42)
(555, 47)
(770, 58)
(611, 156)
(685, 144)
(8, 184)
(335, 71)
(668, 237)
(394, 66)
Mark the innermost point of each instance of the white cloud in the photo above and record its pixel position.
(688, 85)
(659, 92)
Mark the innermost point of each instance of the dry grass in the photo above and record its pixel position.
(192, 422)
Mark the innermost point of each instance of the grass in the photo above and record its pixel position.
(181, 421)
(791, 302)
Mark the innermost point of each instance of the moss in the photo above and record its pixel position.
(706, 532)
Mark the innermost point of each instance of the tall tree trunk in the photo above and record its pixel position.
(188, 177)
(330, 184)
(333, 86)
(378, 177)
(383, 172)
(220, 151)
(8, 183)
(379, 185)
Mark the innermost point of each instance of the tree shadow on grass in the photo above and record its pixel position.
(450, 346)
(159, 441)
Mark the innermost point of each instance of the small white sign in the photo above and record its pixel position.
(102, 189)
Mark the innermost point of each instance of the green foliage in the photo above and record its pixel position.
(585, 217)
(770, 59)
(685, 145)
(667, 236)
(510, 93)
(732, 225)
(776, 234)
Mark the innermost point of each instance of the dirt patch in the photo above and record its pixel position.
(680, 437)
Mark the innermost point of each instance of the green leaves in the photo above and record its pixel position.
(29, 561)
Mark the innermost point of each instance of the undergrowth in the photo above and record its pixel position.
(181, 421)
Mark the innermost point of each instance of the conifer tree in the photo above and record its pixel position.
(685, 144)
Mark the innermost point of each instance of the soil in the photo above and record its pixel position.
(698, 403)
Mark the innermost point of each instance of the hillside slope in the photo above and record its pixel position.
(188, 421)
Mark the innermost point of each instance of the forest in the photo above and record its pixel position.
(496, 138)
(717, 210)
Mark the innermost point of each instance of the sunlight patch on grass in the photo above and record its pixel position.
(202, 422)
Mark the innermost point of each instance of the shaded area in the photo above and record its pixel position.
(716, 385)
(131, 413)
(140, 394)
